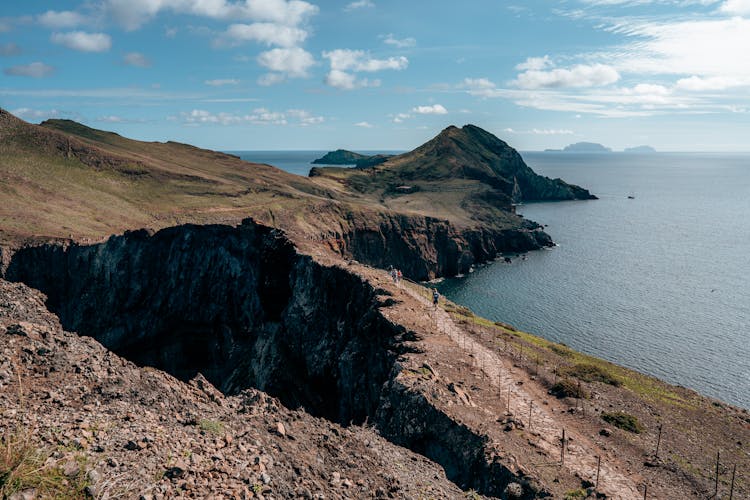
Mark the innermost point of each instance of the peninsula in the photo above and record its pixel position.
(178, 322)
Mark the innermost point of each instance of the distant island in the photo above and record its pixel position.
(640, 150)
(594, 147)
(345, 157)
(581, 147)
(340, 157)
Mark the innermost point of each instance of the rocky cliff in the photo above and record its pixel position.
(242, 307)
(77, 421)
(236, 304)
(424, 248)
(341, 340)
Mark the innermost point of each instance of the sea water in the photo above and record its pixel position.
(659, 283)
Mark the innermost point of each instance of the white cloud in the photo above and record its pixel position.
(400, 117)
(705, 48)
(345, 61)
(233, 99)
(402, 43)
(117, 119)
(82, 41)
(132, 14)
(363, 125)
(259, 116)
(483, 87)
(538, 131)
(347, 81)
(649, 89)
(263, 116)
(359, 4)
(535, 64)
(736, 7)
(136, 59)
(61, 19)
(220, 82)
(305, 118)
(115, 94)
(111, 119)
(33, 70)
(435, 109)
(292, 62)
(581, 75)
(29, 114)
(268, 33)
(358, 60)
(714, 83)
(478, 83)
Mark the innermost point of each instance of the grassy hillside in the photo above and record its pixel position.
(63, 179)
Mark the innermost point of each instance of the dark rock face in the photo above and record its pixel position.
(242, 307)
(425, 248)
(408, 419)
(236, 304)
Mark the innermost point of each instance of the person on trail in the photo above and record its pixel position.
(394, 275)
(435, 297)
(399, 276)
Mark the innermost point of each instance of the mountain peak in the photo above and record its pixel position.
(471, 153)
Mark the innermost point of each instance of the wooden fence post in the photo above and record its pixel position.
(658, 442)
(598, 465)
(716, 487)
(531, 407)
(562, 449)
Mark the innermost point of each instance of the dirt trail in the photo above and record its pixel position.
(580, 457)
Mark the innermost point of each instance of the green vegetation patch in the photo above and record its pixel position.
(567, 388)
(574, 494)
(561, 350)
(590, 372)
(623, 421)
(211, 426)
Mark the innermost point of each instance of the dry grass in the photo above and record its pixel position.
(25, 466)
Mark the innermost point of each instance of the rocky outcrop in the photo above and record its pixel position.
(409, 419)
(425, 248)
(89, 424)
(236, 304)
(241, 306)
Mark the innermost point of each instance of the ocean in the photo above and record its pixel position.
(657, 283)
(295, 162)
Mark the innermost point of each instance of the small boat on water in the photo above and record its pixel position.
(631, 197)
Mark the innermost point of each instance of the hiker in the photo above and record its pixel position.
(435, 297)
(399, 275)
(394, 275)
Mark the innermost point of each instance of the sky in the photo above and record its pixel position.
(384, 74)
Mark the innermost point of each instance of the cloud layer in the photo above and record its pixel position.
(82, 41)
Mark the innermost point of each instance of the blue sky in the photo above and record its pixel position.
(385, 74)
